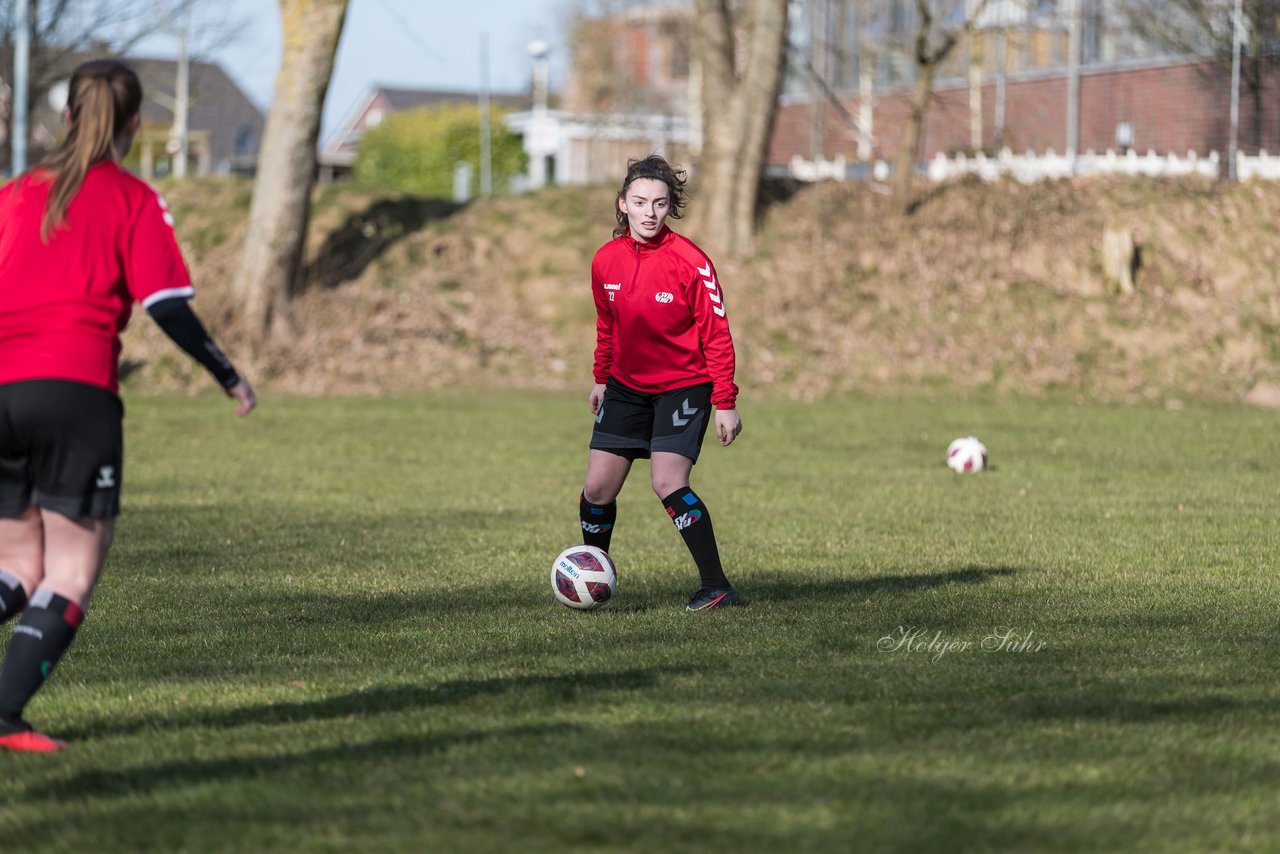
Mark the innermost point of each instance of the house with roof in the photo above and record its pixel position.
(338, 156)
(224, 127)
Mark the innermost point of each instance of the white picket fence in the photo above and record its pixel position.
(1031, 167)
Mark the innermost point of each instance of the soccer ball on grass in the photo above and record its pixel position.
(967, 454)
(583, 577)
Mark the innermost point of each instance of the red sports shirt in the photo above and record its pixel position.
(63, 304)
(660, 317)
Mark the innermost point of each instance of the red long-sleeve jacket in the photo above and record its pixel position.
(660, 317)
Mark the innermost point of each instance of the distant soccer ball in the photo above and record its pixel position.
(583, 577)
(967, 454)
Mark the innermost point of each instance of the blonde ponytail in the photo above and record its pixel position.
(103, 96)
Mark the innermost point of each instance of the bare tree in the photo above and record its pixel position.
(278, 215)
(741, 50)
(1204, 28)
(939, 28)
(65, 31)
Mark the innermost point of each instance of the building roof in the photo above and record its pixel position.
(217, 104)
(408, 99)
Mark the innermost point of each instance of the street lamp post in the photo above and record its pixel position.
(540, 131)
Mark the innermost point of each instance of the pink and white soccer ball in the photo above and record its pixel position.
(583, 577)
(967, 454)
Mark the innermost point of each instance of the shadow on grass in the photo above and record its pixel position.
(167, 775)
(778, 587)
(563, 687)
(1116, 703)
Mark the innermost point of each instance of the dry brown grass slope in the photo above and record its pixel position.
(986, 289)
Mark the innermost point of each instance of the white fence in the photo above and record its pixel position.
(1031, 167)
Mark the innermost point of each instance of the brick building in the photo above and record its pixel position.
(628, 94)
(1167, 106)
(850, 80)
(1006, 86)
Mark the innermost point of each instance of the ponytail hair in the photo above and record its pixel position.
(103, 97)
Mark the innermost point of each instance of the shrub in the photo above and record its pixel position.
(415, 151)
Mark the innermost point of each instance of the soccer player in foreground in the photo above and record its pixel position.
(664, 357)
(80, 241)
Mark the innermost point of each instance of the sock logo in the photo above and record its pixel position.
(595, 528)
(46, 667)
(686, 519)
(106, 477)
(23, 629)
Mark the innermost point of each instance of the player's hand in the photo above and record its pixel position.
(596, 398)
(728, 426)
(242, 392)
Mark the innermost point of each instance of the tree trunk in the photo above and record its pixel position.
(1256, 85)
(740, 99)
(905, 166)
(287, 164)
(930, 51)
(975, 94)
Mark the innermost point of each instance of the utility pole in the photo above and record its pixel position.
(486, 154)
(21, 84)
(1073, 82)
(1233, 145)
(819, 74)
(1002, 62)
(179, 134)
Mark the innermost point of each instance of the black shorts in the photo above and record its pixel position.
(633, 424)
(61, 448)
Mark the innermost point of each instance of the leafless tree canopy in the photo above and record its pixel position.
(63, 31)
(1205, 28)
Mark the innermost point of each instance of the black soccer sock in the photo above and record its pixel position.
(39, 640)
(694, 523)
(597, 522)
(13, 598)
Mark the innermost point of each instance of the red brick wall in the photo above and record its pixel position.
(1173, 108)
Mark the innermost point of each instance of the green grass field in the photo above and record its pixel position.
(329, 626)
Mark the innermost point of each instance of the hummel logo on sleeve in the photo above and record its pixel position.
(709, 282)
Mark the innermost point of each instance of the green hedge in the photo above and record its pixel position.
(415, 151)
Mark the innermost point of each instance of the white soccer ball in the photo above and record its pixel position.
(583, 577)
(967, 454)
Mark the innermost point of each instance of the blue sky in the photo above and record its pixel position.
(412, 43)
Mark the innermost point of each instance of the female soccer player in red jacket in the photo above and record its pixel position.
(664, 358)
(80, 241)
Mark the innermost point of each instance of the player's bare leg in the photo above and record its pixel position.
(21, 561)
(74, 551)
(598, 508)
